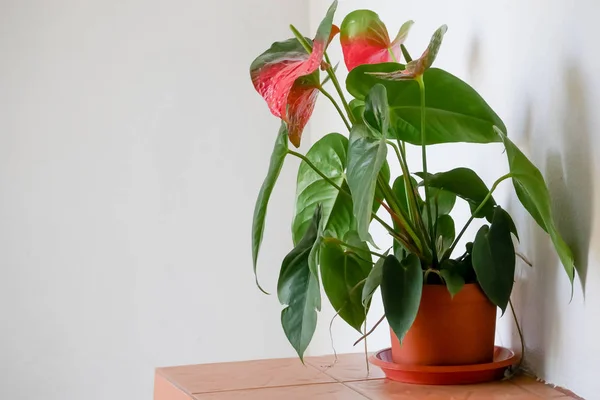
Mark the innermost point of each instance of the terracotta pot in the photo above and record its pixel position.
(458, 331)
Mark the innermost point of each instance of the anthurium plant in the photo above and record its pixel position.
(344, 184)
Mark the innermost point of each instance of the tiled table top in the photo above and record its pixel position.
(347, 379)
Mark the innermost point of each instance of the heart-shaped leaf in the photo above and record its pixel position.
(343, 273)
(454, 111)
(532, 192)
(494, 259)
(365, 39)
(260, 208)
(329, 155)
(298, 288)
(401, 289)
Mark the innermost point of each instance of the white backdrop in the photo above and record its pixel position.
(132, 147)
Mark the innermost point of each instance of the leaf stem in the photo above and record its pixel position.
(337, 107)
(411, 199)
(370, 331)
(338, 88)
(301, 39)
(512, 308)
(314, 168)
(392, 55)
(341, 242)
(479, 208)
(425, 174)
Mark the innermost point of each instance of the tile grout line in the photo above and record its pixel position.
(265, 387)
(349, 381)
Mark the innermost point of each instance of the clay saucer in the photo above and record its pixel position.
(447, 374)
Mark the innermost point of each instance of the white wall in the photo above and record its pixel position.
(536, 63)
(132, 147)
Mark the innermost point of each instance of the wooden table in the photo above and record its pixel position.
(288, 379)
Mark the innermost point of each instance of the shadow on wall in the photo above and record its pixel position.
(569, 172)
(570, 179)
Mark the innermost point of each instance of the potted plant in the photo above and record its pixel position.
(428, 285)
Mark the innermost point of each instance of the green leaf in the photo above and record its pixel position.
(373, 280)
(445, 233)
(454, 282)
(260, 208)
(377, 113)
(342, 273)
(401, 289)
(384, 175)
(466, 184)
(442, 200)
(298, 288)
(366, 156)
(532, 192)
(400, 193)
(329, 155)
(357, 108)
(399, 189)
(494, 259)
(454, 111)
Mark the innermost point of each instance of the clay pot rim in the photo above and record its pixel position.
(503, 358)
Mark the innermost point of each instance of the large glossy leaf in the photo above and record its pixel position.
(494, 259)
(286, 76)
(401, 289)
(466, 184)
(342, 272)
(532, 192)
(329, 155)
(298, 288)
(455, 112)
(260, 208)
(366, 155)
(365, 39)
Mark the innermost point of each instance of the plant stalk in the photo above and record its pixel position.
(337, 107)
(338, 88)
(301, 39)
(341, 242)
(370, 331)
(424, 158)
(411, 198)
(512, 308)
